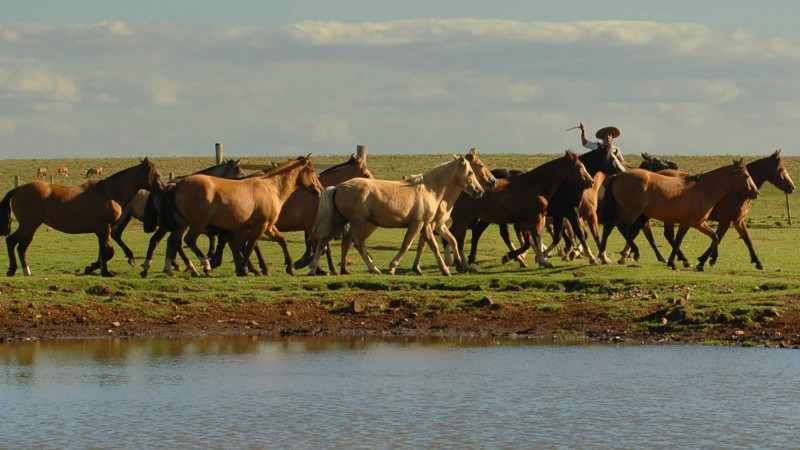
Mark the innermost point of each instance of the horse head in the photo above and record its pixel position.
(307, 178)
(233, 169)
(153, 177)
(483, 174)
(778, 175)
(466, 179)
(578, 174)
(744, 183)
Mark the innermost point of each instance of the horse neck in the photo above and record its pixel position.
(591, 163)
(760, 170)
(441, 180)
(548, 177)
(717, 183)
(598, 178)
(122, 186)
(221, 171)
(284, 180)
(339, 175)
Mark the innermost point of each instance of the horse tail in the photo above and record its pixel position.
(608, 207)
(151, 213)
(5, 213)
(167, 215)
(330, 223)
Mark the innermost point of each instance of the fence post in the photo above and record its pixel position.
(16, 181)
(171, 176)
(788, 212)
(361, 152)
(218, 148)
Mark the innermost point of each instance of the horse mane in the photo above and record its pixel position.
(266, 173)
(349, 162)
(420, 177)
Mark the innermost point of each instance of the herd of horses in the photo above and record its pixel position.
(63, 171)
(566, 195)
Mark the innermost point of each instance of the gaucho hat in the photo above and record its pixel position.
(602, 132)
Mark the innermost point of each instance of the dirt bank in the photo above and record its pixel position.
(370, 316)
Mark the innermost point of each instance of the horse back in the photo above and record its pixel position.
(69, 209)
(385, 203)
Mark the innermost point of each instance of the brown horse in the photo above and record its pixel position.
(637, 194)
(92, 207)
(137, 206)
(369, 203)
(94, 171)
(300, 210)
(439, 224)
(41, 172)
(62, 171)
(522, 198)
(247, 208)
(733, 208)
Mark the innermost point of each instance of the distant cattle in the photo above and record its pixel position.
(41, 172)
(94, 171)
(62, 171)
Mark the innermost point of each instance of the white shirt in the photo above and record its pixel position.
(591, 145)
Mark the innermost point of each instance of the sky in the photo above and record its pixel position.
(84, 78)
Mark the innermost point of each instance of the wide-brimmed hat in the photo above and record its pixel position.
(602, 132)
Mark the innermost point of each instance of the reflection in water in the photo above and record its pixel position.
(298, 392)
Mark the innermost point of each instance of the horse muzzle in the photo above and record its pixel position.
(477, 193)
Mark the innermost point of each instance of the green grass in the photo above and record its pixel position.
(731, 292)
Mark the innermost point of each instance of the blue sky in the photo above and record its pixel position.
(172, 77)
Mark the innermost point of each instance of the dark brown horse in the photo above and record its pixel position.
(94, 171)
(247, 208)
(92, 207)
(523, 198)
(136, 208)
(637, 194)
(733, 208)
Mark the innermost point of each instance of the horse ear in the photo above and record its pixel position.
(308, 156)
(572, 156)
(472, 152)
(777, 153)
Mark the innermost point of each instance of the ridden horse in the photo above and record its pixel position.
(522, 198)
(369, 203)
(138, 205)
(94, 171)
(62, 171)
(733, 208)
(92, 207)
(247, 208)
(41, 172)
(439, 223)
(637, 194)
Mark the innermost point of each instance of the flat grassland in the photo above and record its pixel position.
(731, 303)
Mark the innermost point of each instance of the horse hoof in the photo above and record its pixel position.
(759, 266)
(107, 274)
(594, 262)
(505, 259)
(687, 264)
(699, 268)
(143, 274)
(290, 269)
(419, 271)
(132, 262)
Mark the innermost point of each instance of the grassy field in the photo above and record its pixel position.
(646, 293)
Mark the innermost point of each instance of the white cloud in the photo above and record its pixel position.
(331, 130)
(36, 80)
(162, 91)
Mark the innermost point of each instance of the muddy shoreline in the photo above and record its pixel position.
(576, 320)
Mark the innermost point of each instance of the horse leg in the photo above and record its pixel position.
(558, 228)
(431, 239)
(676, 243)
(303, 261)
(273, 233)
(669, 235)
(477, 231)
(722, 228)
(420, 248)
(191, 241)
(262, 264)
(411, 233)
(155, 239)
(607, 229)
(503, 228)
(647, 230)
(537, 246)
(11, 241)
(578, 230)
(117, 236)
(313, 266)
(358, 236)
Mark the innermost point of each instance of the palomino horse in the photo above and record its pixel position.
(439, 224)
(94, 171)
(62, 171)
(41, 172)
(637, 194)
(300, 211)
(368, 203)
(247, 208)
(136, 208)
(92, 207)
(733, 208)
(522, 198)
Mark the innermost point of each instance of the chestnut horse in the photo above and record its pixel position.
(41, 172)
(94, 171)
(637, 194)
(137, 206)
(522, 198)
(247, 208)
(62, 171)
(93, 207)
(439, 224)
(369, 203)
(733, 208)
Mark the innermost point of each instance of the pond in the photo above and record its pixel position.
(248, 392)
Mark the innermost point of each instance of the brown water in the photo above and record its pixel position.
(359, 393)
